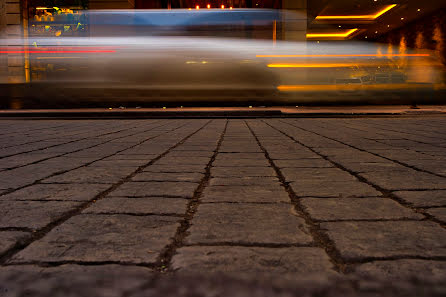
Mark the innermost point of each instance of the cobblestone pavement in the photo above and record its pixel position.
(223, 207)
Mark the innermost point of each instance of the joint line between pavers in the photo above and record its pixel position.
(319, 238)
(384, 192)
(164, 262)
(45, 230)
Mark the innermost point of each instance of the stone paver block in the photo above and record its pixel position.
(66, 192)
(252, 260)
(303, 163)
(423, 198)
(98, 238)
(72, 280)
(317, 174)
(122, 156)
(92, 175)
(239, 156)
(169, 176)
(242, 171)
(245, 194)
(330, 209)
(244, 181)
(139, 206)
(438, 213)
(261, 224)
(9, 239)
(167, 160)
(176, 168)
(405, 180)
(241, 163)
(360, 167)
(32, 214)
(344, 189)
(147, 189)
(116, 164)
(431, 271)
(363, 240)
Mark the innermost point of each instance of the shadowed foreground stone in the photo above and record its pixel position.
(95, 238)
(68, 192)
(9, 239)
(32, 214)
(359, 240)
(326, 209)
(253, 261)
(404, 270)
(272, 224)
(139, 206)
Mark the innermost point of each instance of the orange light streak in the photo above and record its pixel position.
(323, 35)
(346, 55)
(290, 65)
(370, 16)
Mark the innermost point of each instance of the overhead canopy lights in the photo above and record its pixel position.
(357, 17)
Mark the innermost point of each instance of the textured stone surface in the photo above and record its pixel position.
(407, 179)
(242, 171)
(359, 240)
(169, 176)
(261, 224)
(303, 163)
(65, 192)
(92, 175)
(317, 174)
(244, 181)
(438, 213)
(9, 239)
(146, 189)
(330, 209)
(404, 270)
(96, 238)
(423, 198)
(253, 260)
(32, 214)
(245, 194)
(148, 205)
(333, 189)
(176, 168)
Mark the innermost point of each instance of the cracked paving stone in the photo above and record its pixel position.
(117, 164)
(32, 214)
(363, 240)
(261, 224)
(428, 270)
(245, 194)
(72, 280)
(169, 176)
(139, 206)
(328, 209)
(176, 168)
(363, 167)
(99, 238)
(405, 180)
(317, 174)
(438, 213)
(91, 175)
(423, 198)
(9, 239)
(244, 181)
(66, 192)
(242, 171)
(191, 154)
(333, 189)
(303, 163)
(122, 157)
(146, 189)
(252, 261)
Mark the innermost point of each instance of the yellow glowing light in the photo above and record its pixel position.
(342, 55)
(349, 87)
(230, 7)
(197, 7)
(324, 35)
(222, 7)
(209, 6)
(369, 16)
(292, 65)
